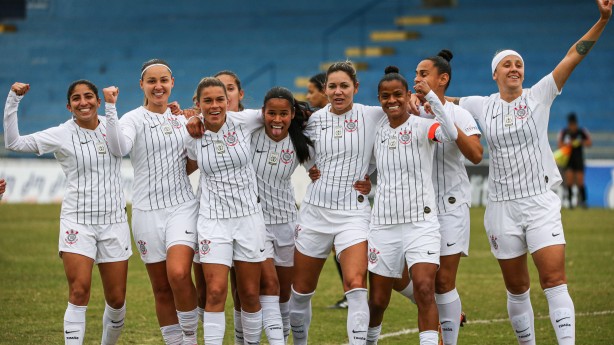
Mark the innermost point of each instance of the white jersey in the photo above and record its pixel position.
(404, 159)
(159, 158)
(521, 161)
(343, 149)
(227, 178)
(274, 163)
(450, 179)
(94, 193)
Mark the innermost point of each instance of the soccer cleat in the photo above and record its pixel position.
(463, 319)
(340, 304)
(440, 335)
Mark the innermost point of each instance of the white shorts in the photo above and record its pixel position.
(279, 244)
(157, 230)
(391, 246)
(531, 223)
(223, 240)
(318, 229)
(454, 228)
(103, 243)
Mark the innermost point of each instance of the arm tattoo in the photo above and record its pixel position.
(584, 46)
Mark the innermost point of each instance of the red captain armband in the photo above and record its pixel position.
(432, 131)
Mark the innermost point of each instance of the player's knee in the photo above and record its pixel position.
(250, 298)
(355, 282)
(424, 292)
(444, 284)
(79, 295)
(550, 282)
(163, 293)
(377, 305)
(269, 287)
(180, 275)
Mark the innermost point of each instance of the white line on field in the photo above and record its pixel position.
(476, 322)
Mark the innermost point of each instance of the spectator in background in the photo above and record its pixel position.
(575, 138)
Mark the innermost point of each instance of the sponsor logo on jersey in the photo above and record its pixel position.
(71, 237)
(204, 247)
(231, 138)
(142, 247)
(373, 255)
(405, 137)
(287, 156)
(351, 125)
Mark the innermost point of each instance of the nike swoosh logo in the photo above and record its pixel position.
(430, 252)
(83, 143)
(120, 321)
(262, 250)
(559, 320)
(353, 331)
(494, 116)
(384, 140)
(154, 126)
(524, 330)
(68, 332)
(324, 128)
(206, 145)
(445, 322)
(189, 232)
(450, 245)
(261, 151)
(555, 235)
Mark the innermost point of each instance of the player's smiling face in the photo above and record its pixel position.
(340, 90)
(509, 72)
(393, 97)
(213, 103)
(232, 90)
(84, 105)
(157, 83)
(278, 114)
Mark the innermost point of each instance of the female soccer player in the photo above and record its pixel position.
(523, 212)
(333, 213)
(231, 228)
(277, 150)
(164, 209)
(404, 227)
(315, 91)
(453, 192)
(93, 223)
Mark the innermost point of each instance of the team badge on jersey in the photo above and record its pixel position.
(71, 237)
(393, 142)
(273, 158)
(297, 229)
(231, 138)
(174, 122)
(167, 129)
(508, 120)
(204, 247)
(287, 156)
(493, 242)
(220, 147)
(373, 255)
(338, 132)
(521, 112)
(405, 137)
(142, 247)
(351, 125)
(101, 148)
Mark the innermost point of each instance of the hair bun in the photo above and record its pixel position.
(446, 54)
(391, 69)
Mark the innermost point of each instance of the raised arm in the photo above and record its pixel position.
(12, 140)
(579, 50)
(119, 145)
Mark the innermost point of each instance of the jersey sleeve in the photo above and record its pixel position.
(545, 90)
(466, 122)
(49, 140)
(473, 104)
(190, 145)
(120, 134)
(250, 118)
(448, 131)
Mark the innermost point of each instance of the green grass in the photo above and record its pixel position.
(33, 289)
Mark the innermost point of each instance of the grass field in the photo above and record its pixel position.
(33, 289)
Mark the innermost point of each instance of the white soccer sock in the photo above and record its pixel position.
(252, 326)
(112, 324)
(172, 334)
(74, 324)
(521, 315)
(300, 316)
(429, 337)
(562, 314)
(358, 316)
(409, 292)
(271, 320)
(188, 320)
(214, 325)
(238, 327)
(373, 334)
(284, 308)
(449, 307)
(201, 311)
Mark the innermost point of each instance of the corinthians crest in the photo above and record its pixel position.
(521, 112)
(71, 237)
(204, 247)
(174, 122)
(287, 156)
(231, 138)
(351, 125)
(142, 247)
(373, 255)
(405, 137)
